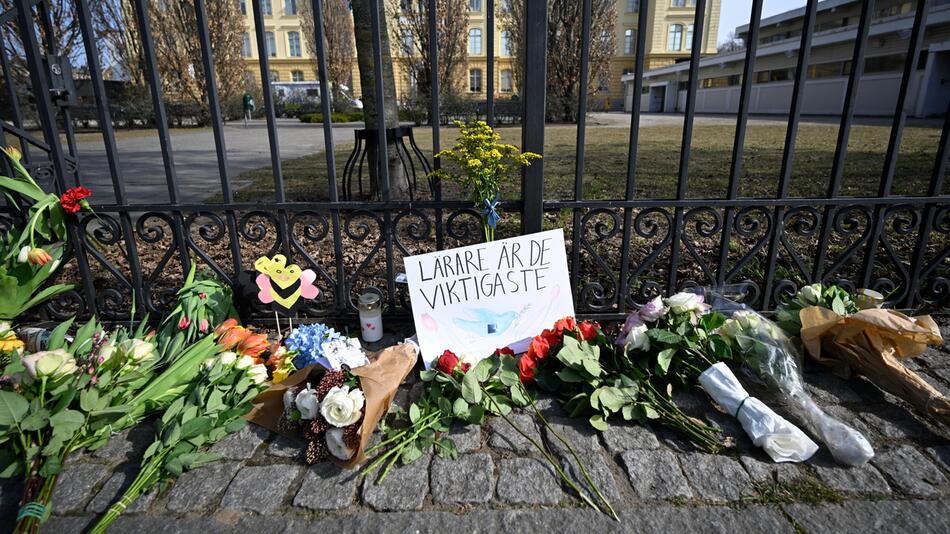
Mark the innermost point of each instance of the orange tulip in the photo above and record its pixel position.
(223, 328)
(252, 345)
(233, 337)
(38, 256)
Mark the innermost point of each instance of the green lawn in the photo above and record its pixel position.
(658, 162)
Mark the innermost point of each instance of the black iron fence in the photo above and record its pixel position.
(130, 256)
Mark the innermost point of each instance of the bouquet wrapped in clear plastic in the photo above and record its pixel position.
(766, 351)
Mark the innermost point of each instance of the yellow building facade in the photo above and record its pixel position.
(668, 40)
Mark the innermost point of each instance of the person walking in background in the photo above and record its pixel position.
(249, 107)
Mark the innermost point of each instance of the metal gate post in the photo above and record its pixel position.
(532, 118)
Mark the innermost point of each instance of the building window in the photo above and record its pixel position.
(506, 49)
(475, 41)
(406, 41)
(675, 39)
(274, 76)
(474, 5)
(246, 45)
(271, 44)
(633, 6)
(507, 84)
(629, 41)
(293, 39)
(266, 7)
(290, 7)
(475, 80)
(689, 37)
(683, 3)
(721, 81)
(244, 7)
(296, 75)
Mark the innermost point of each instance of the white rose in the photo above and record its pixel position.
(245, 362)
(684, 302)
(107, 350)
(258, 373)
(810, 294)
(22, 257)
(307, 403)
(336, 446)
(227, 358)
(637, 338)
(341, 406)
(51, 364)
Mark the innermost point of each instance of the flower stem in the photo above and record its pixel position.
(557, 467)
(580, 464)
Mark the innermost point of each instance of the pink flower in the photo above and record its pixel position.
(653, 310)
(184, 323)
(203, 326)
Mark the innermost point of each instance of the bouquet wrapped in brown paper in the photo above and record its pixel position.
(340, 409)
(871, 342)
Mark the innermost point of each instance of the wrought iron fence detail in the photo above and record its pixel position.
(131, 258)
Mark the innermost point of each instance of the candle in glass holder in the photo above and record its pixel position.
(371, 317)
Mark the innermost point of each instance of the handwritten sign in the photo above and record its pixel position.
(472, 300)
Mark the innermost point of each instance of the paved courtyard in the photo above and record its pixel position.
(196, 165)
(656, 482)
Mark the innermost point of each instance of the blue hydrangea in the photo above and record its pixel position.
(308, 341)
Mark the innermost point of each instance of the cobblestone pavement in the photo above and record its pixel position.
(498, 484)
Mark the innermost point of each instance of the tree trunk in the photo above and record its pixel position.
(362, 13)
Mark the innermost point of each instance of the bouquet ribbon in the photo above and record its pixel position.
(490, 211)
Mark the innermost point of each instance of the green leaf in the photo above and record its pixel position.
(13, 408)
(483, 369)
(664, 336)
(89, 400)
(837, 305)
(471, 391)
(196, 427)
(663, 360)
(411, 453)
(36, 420)
(520, 395)
(51, 467)
(592, 366)
(414, 413)
(570, 375)
(611, 398)
(460, 408)
(476, 415)
(597, 421)
(58, 337)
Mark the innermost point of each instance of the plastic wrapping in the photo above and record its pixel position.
(781, 440)
(767, 353)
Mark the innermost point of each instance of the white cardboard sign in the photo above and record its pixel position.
(472, 300)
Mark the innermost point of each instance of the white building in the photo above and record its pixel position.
(664, 89)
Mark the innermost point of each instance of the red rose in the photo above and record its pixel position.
(73, 200)
(447, 362)
(539, 348)
(527, 368)
(504, 350)
(552, 337)
(589, 329)
(566, 323)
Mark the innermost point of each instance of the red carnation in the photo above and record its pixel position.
(527, 368)
(73, 200)
(447, 362)
(589, 329)
(504, 350)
